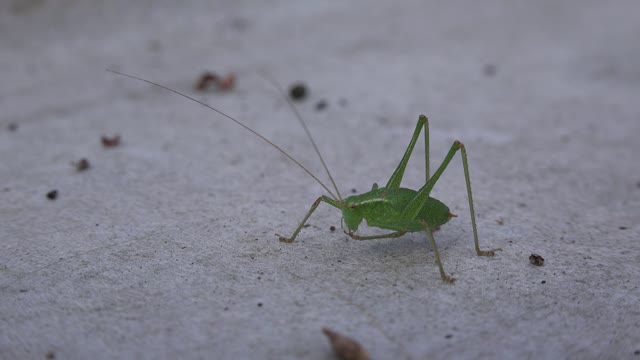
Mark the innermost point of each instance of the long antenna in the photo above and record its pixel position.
(232, 119)
(304, 126)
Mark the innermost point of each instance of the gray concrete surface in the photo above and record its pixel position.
(165, 248)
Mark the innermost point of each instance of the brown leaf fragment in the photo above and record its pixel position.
(344, 347)
(227, 83)
(110, 142)
(209, 80)
(205, 80)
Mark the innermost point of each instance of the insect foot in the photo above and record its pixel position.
(448, 279)
(284, 239)
(488, 252)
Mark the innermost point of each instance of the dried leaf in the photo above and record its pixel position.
(344, 347)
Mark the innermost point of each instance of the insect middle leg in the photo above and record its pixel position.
(326, 199)
(445, 277)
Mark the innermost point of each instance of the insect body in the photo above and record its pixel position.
(391, 207)
(403, 210)
(384, 207)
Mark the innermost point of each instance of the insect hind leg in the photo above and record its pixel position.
(396, 177)
(413, 208)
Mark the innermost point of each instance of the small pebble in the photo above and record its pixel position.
(82, 165)
(536, 260)
(52, 195)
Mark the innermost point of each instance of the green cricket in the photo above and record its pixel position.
(391, 207)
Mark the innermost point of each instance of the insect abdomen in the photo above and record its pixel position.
(383, 208)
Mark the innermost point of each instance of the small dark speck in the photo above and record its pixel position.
(489, 69)
(52, 195)
(298, 91)
(622, 228)
(522, 205)
(12, 127)
(23, 290)
(637, 352)
(353, 191)
(50, 355)
(97, 224)
(321, 105)
(306, 225)
(448, 336)
(154, 45)
(259, 278)
(259, 304)
(240, 24)
(226, 308)
(332, 228)
(82, 165)
(543, 282)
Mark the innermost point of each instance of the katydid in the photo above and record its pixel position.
(391, 207)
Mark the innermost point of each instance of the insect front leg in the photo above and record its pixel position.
(326, 199)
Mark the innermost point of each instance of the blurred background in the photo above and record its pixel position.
(160, 243)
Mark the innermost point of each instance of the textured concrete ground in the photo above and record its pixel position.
(165, 247)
